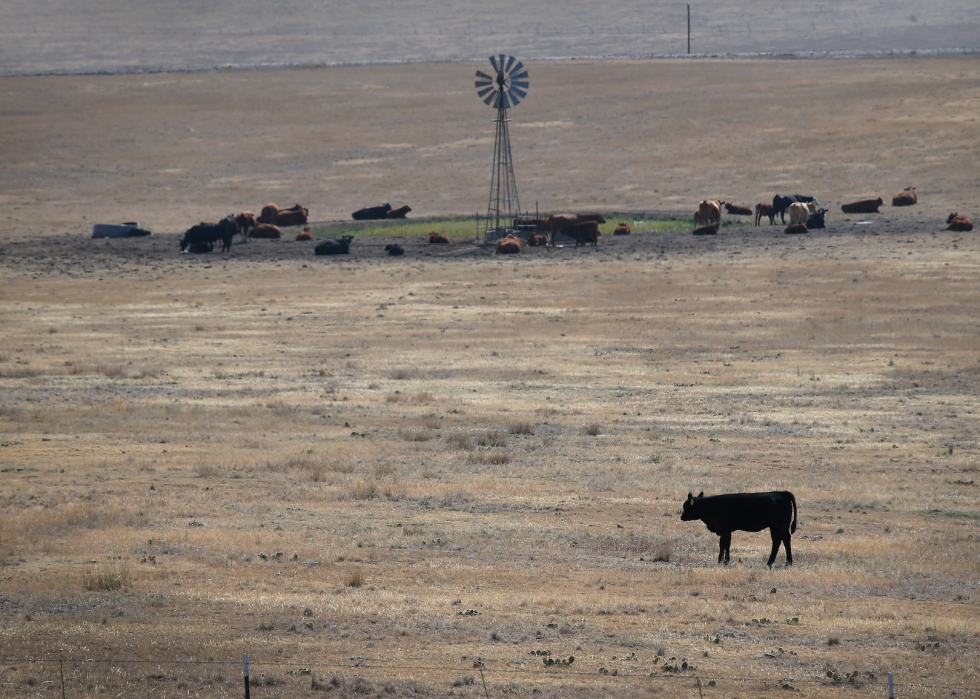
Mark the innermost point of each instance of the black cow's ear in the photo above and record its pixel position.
(701, 494)
(690, 499)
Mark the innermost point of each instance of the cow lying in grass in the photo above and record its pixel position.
(746, 512)
(958, 222)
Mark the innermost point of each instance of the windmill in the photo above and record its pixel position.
(502, 90)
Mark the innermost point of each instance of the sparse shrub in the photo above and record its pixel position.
(423, 397)
(833, 641)
(364, 490)
(107, 577)
(399, 374)
(206, 470)
(493, 439)
(492, 458)
(520, 428)
(355, 578)
(395, 397)
(592, 430)
(416, 436)
(459, 441)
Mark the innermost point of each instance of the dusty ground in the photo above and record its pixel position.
(465, 460)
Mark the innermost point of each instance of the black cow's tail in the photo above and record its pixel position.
(792, 529)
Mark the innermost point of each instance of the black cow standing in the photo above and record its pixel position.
(746, 512)
(781, 202)
(204, 235)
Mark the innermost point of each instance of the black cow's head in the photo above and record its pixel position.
(691, 507)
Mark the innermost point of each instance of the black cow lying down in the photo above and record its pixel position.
(203, 236)
(746, 512)
(395, 250)
(371, 213)
(334, 246)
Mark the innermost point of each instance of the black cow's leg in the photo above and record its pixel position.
(789, 549)
(725, 546)
(775, 546)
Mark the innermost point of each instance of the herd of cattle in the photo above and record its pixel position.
(582, 228)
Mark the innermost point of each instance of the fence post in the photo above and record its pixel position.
(61, 664)
(891, 687)
(688, 30)
(246, 677)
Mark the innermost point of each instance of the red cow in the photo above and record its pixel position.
(622, 229)
(291, 217)
(511, 245)
(245, 222)
(796, 228)
(266, 230)
(557, 223)
(584, 232)
(737, 210)
(305, 234)
(706, 230)
(767, 210)
(905, 198)
(399, 212)
(438, 239)
(268, 215)
(959, 222)
(710, 211)
(697, 218)
(863, 206)
(535, 239)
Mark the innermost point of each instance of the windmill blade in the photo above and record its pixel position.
(519, 76)
(510, 62)
(493, 62)
(480, 84)
(500, 60)
(514, 101)
(483, 76)
(515, 68)
(492, 97)
(504, 100)
(520, 83)
(484, 91)
(517, 91)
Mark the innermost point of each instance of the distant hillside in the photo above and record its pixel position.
(62, 36)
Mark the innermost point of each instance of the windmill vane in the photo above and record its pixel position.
(507, 87)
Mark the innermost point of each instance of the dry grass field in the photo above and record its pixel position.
(380, 476)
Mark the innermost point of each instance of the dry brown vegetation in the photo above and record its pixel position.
(378, 476)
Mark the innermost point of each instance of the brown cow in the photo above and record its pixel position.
(767, 210)
(795, 227)
(266, 230)
(510, 245)
(706, 230)
(291, 218)
(399, 212)
(305, 234)
(737, 210)
(584, 232)
(710, 211)
(905, 198)
(622, 229)
(557, 223)
(435, 238)
(536, 239)
(698, 222)
(245, 222)
(863, 206)
(268, 215)
(959, 222)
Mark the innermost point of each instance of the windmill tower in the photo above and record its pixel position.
(502, 90)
